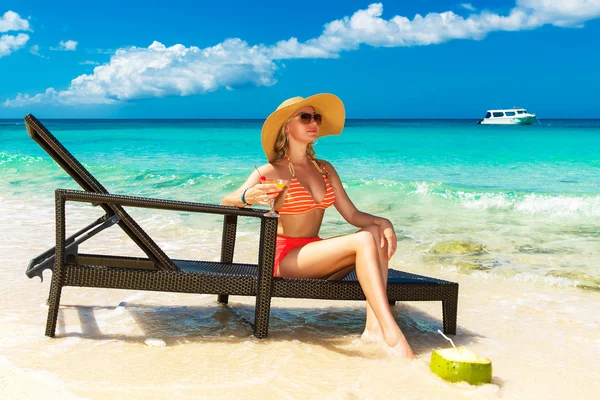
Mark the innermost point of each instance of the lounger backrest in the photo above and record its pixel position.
(38, 132)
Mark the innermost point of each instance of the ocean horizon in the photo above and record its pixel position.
(262, 119)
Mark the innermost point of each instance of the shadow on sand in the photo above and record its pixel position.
(331, 327)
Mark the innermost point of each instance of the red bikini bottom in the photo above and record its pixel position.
(285, 244)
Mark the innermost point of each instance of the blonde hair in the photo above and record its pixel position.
(282, 148)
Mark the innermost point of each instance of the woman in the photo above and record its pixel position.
(288, 135)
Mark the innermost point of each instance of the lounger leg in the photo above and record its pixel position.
(223, 298)
(266, 256)
(261, 316)
(227, 247)
(449, 309)
(53, 303)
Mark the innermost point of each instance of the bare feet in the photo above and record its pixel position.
(370, 336)
(398, 345)
(402, 349)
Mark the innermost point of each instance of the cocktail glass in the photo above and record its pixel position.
(281, 183)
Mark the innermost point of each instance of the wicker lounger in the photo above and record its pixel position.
(160, 273)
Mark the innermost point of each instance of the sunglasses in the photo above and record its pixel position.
(306, 118)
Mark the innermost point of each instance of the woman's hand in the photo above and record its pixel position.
(387, 234)
(262, 193)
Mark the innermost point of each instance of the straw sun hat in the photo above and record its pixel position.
(328, 105)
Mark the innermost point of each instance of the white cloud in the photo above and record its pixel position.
(562, 12)
(11, 21)
(35, 49)
(367, 27)
(100, 51)
(55, 97)
(68, 45)
(468, 6)
(10, 43)
(158, 71)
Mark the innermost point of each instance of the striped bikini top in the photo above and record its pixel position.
(298, 200)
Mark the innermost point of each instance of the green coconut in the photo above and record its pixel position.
(461, 365)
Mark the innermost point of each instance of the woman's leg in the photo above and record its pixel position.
(372, 328)
(322, 258)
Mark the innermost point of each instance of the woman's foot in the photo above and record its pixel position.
(370, 336)
(402, 349)
(398, 345)
(372, 333)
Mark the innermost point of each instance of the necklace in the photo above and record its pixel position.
(293, 171)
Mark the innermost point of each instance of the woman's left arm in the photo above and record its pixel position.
(360, 219)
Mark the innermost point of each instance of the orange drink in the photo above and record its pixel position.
(280, 183)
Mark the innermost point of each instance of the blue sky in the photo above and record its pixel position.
(240, 59)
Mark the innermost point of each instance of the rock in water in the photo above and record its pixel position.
(456, 247)
(461, 365)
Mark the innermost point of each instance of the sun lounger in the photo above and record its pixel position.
(158, 272)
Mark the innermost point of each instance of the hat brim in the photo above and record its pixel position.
(328, 105)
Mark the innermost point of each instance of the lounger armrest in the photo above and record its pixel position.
(268, 229)
(160, 204)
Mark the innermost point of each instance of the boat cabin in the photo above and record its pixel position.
(504, 113)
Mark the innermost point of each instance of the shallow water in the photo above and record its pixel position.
(529, 195)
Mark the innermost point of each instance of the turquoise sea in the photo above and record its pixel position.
(518, 202)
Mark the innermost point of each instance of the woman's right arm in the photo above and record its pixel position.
(255, 192)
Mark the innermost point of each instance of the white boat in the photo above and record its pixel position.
(513, 116)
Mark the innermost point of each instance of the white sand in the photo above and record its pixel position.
(544, 341)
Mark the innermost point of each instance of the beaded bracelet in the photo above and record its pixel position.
(243, 198)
